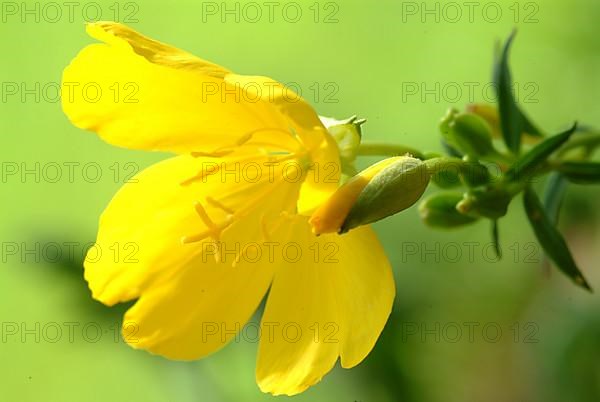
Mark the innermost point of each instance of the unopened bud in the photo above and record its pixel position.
(473, 173)
(488, 113)
(393, 189)
(489, 203)
(330, 215)
(439, 210)
(468, 133)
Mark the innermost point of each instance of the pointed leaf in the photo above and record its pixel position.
(528, 163)
(581, 172)
(553, 195)
(511, 123)
(550, 239)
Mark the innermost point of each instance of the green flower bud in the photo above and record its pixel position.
(447, 120)
(489, 203)
(468, 133)
(393, 189)
(446, 178)
(439, 211)
(473, 173)
(490, 114)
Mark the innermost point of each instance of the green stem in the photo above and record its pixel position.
(384, 149)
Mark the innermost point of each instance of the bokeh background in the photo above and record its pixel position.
(534, 336)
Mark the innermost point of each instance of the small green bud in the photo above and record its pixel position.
(447, 119)
(489, 203)
(393, 189)
(448, 178)
(346, 133)
(490, 114)
(439, 210)
(468, 133)
(473, 173)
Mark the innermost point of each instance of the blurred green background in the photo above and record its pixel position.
(534, 337)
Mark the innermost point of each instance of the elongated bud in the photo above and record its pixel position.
(393, 189)
(488, 203)
(439, 211)
(468, 133)
(330, 216)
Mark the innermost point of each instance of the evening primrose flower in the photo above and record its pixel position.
(194, 223)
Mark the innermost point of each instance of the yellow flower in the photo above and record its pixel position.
(254, 161)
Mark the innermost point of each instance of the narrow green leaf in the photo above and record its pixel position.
(528, 163)
(550, 239)
(511, 123)
(553, 195)
(581, 172)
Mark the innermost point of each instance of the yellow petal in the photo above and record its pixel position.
(189, 303)
(332, 302)
(139, 93)
(323, 179)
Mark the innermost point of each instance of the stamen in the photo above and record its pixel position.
(244, 139)
(205, 218)
(195, 237)
(219, 205)
(200, 176)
